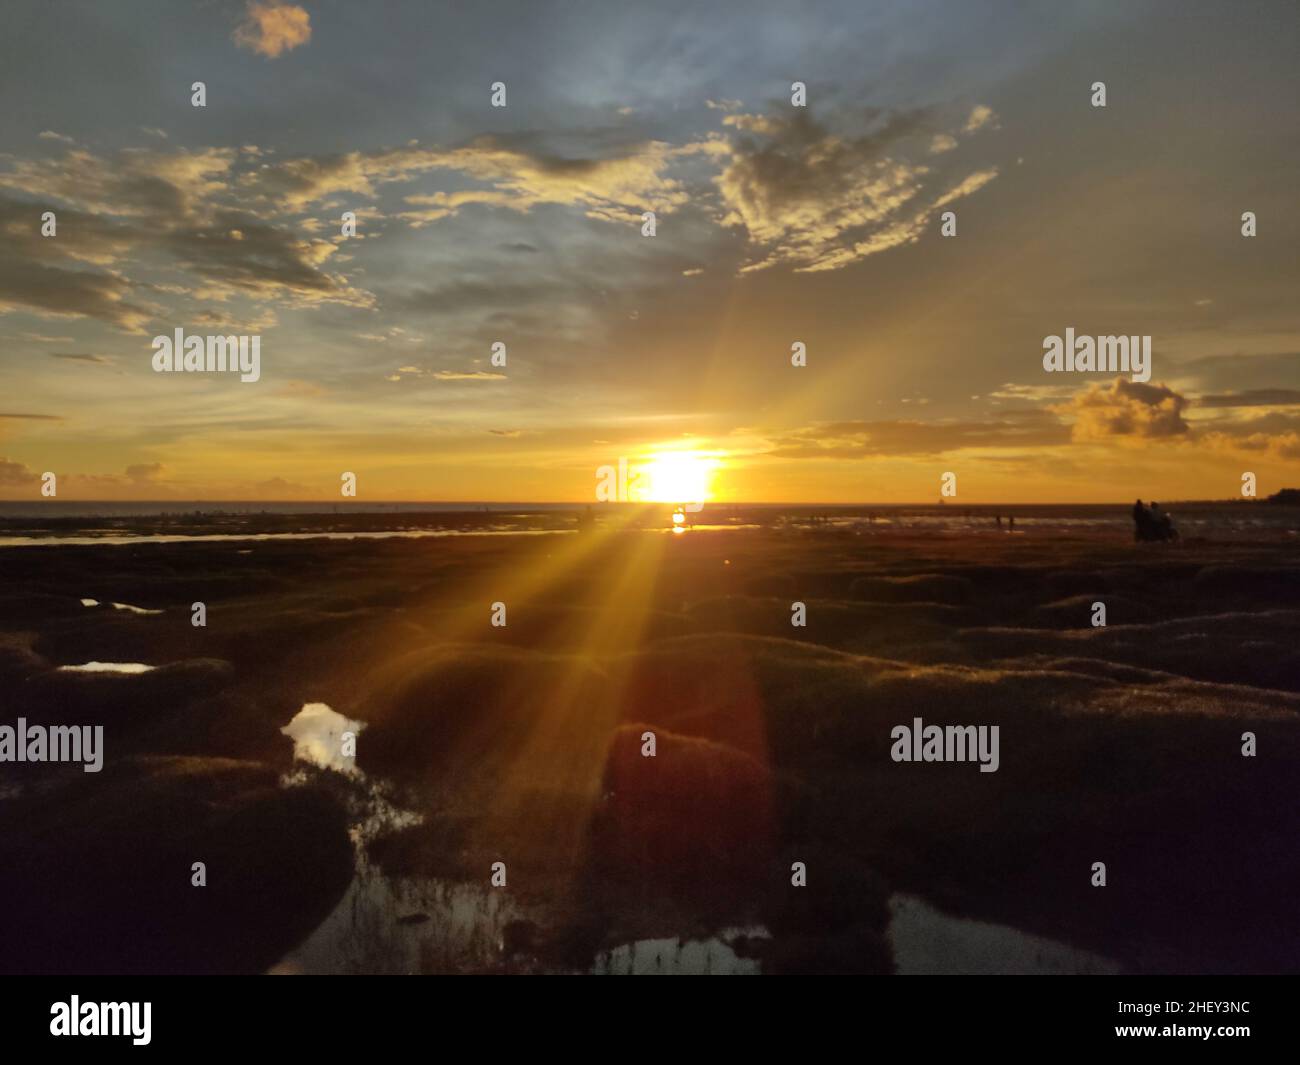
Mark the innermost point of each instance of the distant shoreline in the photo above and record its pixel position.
(58, 508)
(140, 524)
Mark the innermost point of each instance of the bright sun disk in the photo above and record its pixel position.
(677, 477)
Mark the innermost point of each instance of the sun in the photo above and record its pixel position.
(677, 477)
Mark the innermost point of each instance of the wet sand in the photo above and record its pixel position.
(523, 744)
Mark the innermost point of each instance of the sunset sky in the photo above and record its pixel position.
(775, 224)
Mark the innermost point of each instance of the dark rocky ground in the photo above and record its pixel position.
(1119, 744)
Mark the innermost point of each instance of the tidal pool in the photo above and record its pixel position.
(401, 924)
(927, 941)
(107, 667)
(122, 606)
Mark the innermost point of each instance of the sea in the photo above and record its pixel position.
(72, 521)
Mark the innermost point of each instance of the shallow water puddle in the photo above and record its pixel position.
(317, 734)
(122, 606)
(681, 957)
(389, 924)
(107, 667)
(398, 925)
(926, 941)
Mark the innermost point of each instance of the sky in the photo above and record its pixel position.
(775, 225)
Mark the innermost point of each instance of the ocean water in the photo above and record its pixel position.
(74, 522)
(72, 508)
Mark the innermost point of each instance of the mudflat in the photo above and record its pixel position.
(525, 744)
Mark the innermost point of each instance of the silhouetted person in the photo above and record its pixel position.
(1164, 524)
(1152, 524)
(1143, 526)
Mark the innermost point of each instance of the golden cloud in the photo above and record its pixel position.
(272, 28)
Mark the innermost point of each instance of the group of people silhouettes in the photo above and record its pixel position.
(1152, 523)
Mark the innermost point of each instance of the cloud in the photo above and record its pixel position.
(271, 28)
(15, 474)
(475, 375)
(970, 184)
(140, 475)
(264, 261)
(1126, 408)
(1030, 393)
(616, 188)
(864, 439)
(1235, 373)
(34, 417)
(134, 182)
(1132, 412)
(981, 117)
(32, 286)
(222, 321)
(1282, 446)
(38, 338)
(80, 356)
(1253, 397)
(818, 200)
(50, 135)
(805, 196)
(82, 237)
(404, 372)
(511, 174)
(140, 205)
(144, 473)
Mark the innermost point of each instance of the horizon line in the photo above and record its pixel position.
(352, 503)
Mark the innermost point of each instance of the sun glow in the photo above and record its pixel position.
(678, 477)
